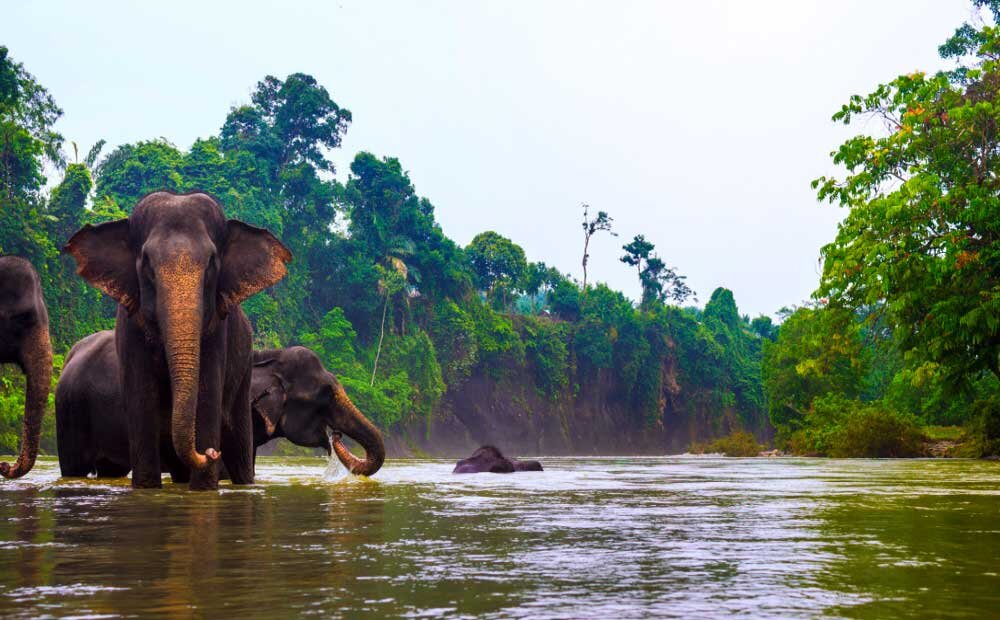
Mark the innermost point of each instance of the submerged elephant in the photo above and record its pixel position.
(179, 271)
(292, 396)
(24, 340)
(490, 459)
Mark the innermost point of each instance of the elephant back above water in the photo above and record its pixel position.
(489, 459)
(24, 340)
(179, 271)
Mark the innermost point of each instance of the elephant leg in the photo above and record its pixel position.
(237, 440)
(74, 443)
(143, 403)
(180, 473)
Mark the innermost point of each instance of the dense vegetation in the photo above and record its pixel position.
(902, 337)
(906, 328)
(395, 308)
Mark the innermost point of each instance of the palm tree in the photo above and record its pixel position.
(393, 276)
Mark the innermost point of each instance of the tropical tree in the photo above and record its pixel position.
(498, 265)
(637, 252)
(601, 222)
(920, 245)
(819, 351)
(391, 281)
(27, 140)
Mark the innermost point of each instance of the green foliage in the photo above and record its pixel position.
(498, 346)
(335, 343)
(986, 427)
(27, 114)
(920, 241)
(764, 327)
(659, 282)
(818, 352)
(739, 443)
(845, 428)
(545, 345)
(12, 389)
(414, 355)
(454, 333)
(498, 266)
(374, 279)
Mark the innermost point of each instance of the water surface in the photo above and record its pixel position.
(602, 538)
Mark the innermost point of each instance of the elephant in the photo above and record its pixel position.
(179, 271)
(292, 396)
(295, 397)
(490, 459)
(24, 340)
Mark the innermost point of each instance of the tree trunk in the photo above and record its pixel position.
(381, 335)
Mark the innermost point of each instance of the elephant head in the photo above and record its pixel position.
(297, 398)
(24, 340)
(177, 268)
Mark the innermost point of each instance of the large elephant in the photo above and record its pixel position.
(179, 271)
(24, 340)
(490, 459)
(292, 396)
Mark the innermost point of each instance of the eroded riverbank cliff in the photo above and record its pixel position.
(514, 415)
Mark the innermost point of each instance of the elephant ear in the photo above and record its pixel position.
(252, 260)
(267, 394)
(105, 260)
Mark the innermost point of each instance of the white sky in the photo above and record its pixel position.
(698, 124)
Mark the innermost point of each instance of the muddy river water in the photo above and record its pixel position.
(691, 537)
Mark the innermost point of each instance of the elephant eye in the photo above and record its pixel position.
(23, 318)
(147, 270)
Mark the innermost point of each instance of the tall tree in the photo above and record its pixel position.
(498, 265)
(601, 222)
(920, 245)
(637, 252)
(27, 140)
(659, 282)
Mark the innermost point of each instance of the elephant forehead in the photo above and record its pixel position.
(16, 275)
(191, 213)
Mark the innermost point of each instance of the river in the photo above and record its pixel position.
(693, 537)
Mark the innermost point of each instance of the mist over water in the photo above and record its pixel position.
(589, 537)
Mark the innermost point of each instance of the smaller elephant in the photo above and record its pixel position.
(490, 459)
(292, 396)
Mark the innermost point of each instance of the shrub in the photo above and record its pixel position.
(986, 427)
(737, 443)
(845, 428)
(874, 431)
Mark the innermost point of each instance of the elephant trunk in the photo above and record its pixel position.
(37, 365)
(180, 295)
(356, 426)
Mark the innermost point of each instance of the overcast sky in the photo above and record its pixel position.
(697, 124)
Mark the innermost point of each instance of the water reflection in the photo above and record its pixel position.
(627, 538)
